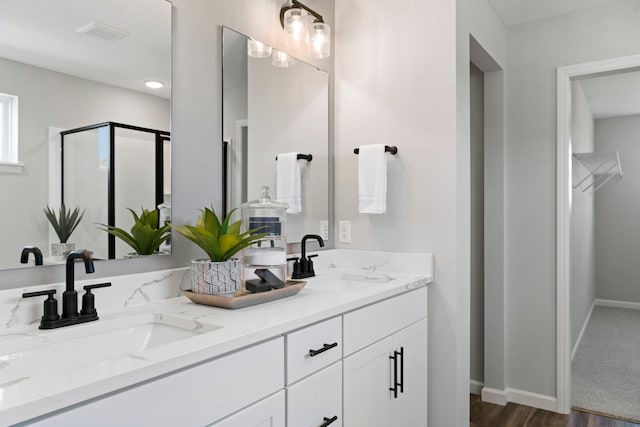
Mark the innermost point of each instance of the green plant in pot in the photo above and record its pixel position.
(220, 273)
(146, 235)
(64, 223)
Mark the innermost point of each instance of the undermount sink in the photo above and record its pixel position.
(91, 343)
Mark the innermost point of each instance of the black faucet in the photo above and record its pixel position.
(70, 315)
(303, 267)
(37, 254)
(70, 296)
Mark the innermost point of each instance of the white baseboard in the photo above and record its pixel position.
(540, 401)
(521, 397)
(492, 395)
(617, 304)
(475, 387)
(584, 326)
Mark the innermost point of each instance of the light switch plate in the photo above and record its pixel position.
(324, 229)
(344, 231)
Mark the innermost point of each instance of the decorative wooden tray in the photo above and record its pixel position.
(242, 299)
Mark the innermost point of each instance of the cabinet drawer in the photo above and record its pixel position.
(370, 324)
(193, 397)
(313, 348)
(317, 399)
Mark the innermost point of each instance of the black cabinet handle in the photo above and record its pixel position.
(324, 348)
(401, 370)
(394, 389)
(328, 421)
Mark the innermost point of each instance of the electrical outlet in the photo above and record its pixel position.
(344, 231)
(324, 229)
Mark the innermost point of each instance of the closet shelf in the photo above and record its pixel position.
(601, 167)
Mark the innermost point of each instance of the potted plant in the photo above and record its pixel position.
(220, 273)
(63, 224)
(146, 234)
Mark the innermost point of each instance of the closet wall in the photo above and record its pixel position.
(617, 213)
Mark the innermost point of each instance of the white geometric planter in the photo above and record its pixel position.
(215, 278)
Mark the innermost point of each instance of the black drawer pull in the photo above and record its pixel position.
(324, 348)
(328, 421)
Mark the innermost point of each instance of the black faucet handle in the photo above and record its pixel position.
(96, 286)
(49, 292)
(312, 256)
(89, 301)
(50, 305)
(295, 258)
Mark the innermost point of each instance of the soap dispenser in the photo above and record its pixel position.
(265, 261)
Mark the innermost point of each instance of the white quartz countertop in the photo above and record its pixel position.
(332, 292)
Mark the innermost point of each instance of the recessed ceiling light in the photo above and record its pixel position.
(154, 84)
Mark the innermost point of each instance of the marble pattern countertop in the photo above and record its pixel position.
(346, 280)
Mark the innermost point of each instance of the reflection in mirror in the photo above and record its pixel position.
(99, 163)
(68, 65)
(269, 111)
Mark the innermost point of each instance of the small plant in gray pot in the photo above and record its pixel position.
(64, 223)
(220, 273)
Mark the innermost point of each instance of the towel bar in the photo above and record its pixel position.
(307, 157)
(387, 149)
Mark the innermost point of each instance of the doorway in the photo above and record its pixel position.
(566, 76)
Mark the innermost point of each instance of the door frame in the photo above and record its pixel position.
(565, 75)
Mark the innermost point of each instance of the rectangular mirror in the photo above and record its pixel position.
(267, 111)
(73, 66)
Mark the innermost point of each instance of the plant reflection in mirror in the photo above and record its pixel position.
(146, 234)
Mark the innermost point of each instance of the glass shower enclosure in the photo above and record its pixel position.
(107, 168)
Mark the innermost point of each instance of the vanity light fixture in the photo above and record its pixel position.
(304, 24)
(154, 84)
(256, 49)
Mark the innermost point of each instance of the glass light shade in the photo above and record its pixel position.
(282, 60)
(256, 49)
(319, 42)
(295, 23)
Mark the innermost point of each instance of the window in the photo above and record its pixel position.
(8, 131)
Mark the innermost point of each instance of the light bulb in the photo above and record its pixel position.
(319, 42)
(295, 23)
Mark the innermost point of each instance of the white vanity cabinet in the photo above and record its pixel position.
(385, 368)
(360, 367)
(268, 412)
(196, 396)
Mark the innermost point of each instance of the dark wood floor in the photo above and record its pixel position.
(512, 415)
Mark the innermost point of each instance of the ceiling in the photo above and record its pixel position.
(43, 33)
(613, 95)
(514, 12)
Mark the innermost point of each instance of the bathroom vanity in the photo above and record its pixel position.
(350, 349)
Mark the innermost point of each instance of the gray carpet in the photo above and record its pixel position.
(606, 367)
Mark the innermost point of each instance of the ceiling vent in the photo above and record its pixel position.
(102, 31)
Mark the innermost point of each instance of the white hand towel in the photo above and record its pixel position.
(288, 188)
(372, 179)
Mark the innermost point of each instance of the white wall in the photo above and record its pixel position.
(477, 224)
(617, 207)
(583, 279)
(535, 50)
(52, 99)
(396, 85)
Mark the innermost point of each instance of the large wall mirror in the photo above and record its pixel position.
(269, 110)
(75, 68)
